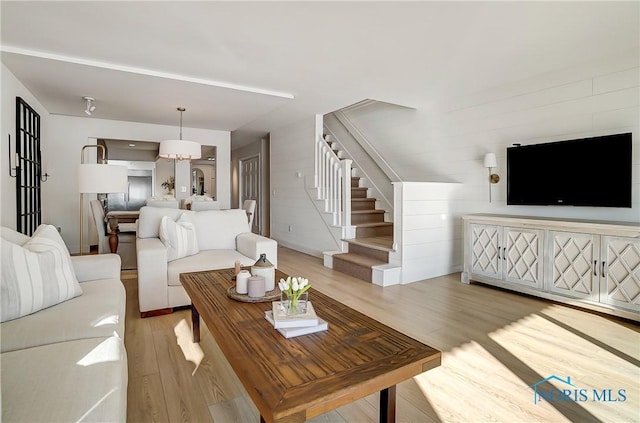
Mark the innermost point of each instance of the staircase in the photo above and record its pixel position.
(373, 240)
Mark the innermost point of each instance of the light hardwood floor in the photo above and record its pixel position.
(495, 345)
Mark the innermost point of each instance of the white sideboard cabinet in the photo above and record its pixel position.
(586, 263)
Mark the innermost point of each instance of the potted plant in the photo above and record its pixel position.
(169, 184)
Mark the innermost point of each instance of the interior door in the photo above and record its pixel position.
(250, 187)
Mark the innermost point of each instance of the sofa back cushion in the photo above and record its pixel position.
(37, 274)
(218, 229)
(150, 217)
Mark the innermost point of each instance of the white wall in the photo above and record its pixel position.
(12, 88)
(448, 144)
(292, 149)
(164, 170)
(61, 151)
(425, 232)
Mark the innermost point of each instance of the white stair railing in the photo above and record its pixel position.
(333, 181)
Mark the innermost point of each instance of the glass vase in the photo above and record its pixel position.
(294, 304)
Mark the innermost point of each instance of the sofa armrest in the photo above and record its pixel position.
(252, 245)
(152, 274)
(94, 267)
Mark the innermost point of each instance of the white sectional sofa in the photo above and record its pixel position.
(222, 237)
(68, 362)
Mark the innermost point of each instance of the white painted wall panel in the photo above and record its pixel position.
(616, 81)
(292, 151)
(550, 107)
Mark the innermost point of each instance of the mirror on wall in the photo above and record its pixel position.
(203, 173)
(197, 182)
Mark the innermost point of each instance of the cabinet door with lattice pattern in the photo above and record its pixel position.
(485, 250)
(574, 265)
(523, 257)
(620, 268)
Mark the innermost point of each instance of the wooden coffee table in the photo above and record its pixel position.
(299, 378)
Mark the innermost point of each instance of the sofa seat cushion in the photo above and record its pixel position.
(37, 274)
(76, 381)
(204, 260)
(98, 312)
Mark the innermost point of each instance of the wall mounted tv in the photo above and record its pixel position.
(594, 172)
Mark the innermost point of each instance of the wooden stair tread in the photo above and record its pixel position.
(382, 243)
(373, 224)
(367, 211)
(359, 259)
(363, 199)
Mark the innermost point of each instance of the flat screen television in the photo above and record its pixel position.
(591, 172)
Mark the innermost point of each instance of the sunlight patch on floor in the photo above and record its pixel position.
(191, 350)
(544, 345)
(609, 331)
(457, 390)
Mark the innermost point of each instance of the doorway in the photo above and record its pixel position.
(250, 187)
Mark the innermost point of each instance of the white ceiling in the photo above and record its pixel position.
(141, 60)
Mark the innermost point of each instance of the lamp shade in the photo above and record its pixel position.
(490, 160)
(180, 150)
(102, 178)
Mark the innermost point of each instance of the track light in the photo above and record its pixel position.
(90, 107)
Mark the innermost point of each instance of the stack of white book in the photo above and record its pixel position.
(297, 324)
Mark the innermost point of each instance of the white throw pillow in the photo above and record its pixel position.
(179, 237)
(36, 275)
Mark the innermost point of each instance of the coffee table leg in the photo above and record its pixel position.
(195, 323)
(388, 405)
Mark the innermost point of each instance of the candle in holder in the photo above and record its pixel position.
(256, 286)
(241, 281)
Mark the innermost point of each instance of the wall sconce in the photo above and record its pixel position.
(13, 170)
(490, 162)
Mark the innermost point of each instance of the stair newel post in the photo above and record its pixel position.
(346, 192)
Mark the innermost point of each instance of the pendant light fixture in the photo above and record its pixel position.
(180, 149)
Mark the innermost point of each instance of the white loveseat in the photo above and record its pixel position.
(68, 362)
(223, 236)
